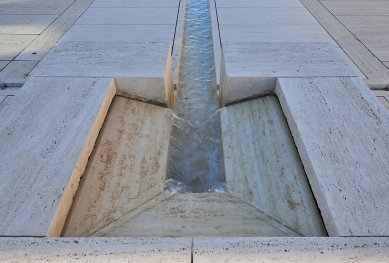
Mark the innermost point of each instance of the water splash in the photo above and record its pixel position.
(195, 151)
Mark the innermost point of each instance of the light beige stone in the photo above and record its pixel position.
(12, 45)
(288, 250)
(16, 73)
(126, 169)
(342, 134)
(135, 3)
(251, 69)
(128, 16)
(33, 7)
(196, 214)
(52, 34)
(24, 24)
(47, 134)
(95, 250)
(262, 165)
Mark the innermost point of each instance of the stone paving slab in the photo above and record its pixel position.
(262, 165)
(307, 250)
(24, 24)
(120, 33)
(383, 97)
(16, 73)
(3, 63)
(49, 38)
(374, 69)
(34, 7)
(135, 3)
(12, 45)
(251, 69)
(104, 59)
(255, 3)
(372, 31)
(126, 168)
(264, 16)
(342, 134)
(128, 16)
(274, 32)
(47, 134)
(360, 7)
(152, 250)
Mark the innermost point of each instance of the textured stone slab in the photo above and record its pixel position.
(308, 250)
(264, 16)
(357, 7)
(129, 16)
(127, 166)
(255, 3)
(135, 3)
(95, 250)
(3, 63)
(369, 64)
(9, 91)
(12, 45)
(274, 32)
(16, 72)
(24, 24)
(34, 7)
(383, 97)
(196, 214)
(50, 37)
(342, 134)
(120, 33)
(251, 69)
(263, 167)
(372, 31)
(47, 134)
(106, 59)
(139, 68)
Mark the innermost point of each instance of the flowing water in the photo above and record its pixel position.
(195, 151)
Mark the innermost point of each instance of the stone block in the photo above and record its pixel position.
(127, 166)
(342, 134)
(288, 250)
(169, 250)
(251, 69)
(263, 168)
(47, 134)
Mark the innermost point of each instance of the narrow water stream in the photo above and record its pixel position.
(195, 151)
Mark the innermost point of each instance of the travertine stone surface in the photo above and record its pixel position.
(262, 165)
(129, 16)
(24, 24)
(47, 133)
(95, 250)
(16, 73)
(196, 214)
(12, 45)
(288, 250)
(342, 134)
(127, 166)
(255, 3)
(135, 3)
(251, 69)
(33, 7)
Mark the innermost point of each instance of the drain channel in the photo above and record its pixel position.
(195, 152)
